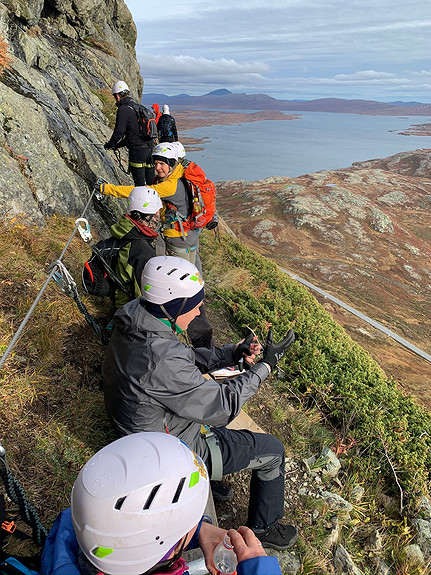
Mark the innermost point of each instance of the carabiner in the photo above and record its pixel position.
(84, 231)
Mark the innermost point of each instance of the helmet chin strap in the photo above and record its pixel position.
(173, 320)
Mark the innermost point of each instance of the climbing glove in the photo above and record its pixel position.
(242, 348)
(275, 351)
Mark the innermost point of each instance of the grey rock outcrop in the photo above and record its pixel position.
(64, 58)
(336, 502)
(423, 536)
(343, 562)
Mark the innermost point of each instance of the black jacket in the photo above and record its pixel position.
(132, 258)
(167, 128)
(126, 132)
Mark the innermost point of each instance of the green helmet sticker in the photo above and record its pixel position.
(147, 287)
(194, 479)
(145, 205)
(102, 552)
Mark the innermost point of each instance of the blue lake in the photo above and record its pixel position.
(316, 141)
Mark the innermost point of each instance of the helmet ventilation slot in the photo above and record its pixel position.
(151, 497)
(179, 490)
(119, 503)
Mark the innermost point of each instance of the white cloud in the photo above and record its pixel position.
(286, 48)
(188, 65)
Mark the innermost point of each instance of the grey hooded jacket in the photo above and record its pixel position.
(154, 382)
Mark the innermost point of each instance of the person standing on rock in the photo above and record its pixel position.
(166, 126)
(127, 133)
(153, 381)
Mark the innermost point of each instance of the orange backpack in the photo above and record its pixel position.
(202, 193)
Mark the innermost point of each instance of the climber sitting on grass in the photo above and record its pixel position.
(153, 381)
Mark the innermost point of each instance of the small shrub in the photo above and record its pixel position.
(101, 45)
(108, 105)
(327, 369)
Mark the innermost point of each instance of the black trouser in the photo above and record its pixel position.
(141, 165)
(264, 455)
(143, 176)
(200, 331)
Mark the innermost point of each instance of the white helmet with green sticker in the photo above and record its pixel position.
(145, 200)
(120, 87)
(135, 499)
(168, 277)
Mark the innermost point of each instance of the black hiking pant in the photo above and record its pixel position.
(264, 455)
(200, 331)
(141, 165)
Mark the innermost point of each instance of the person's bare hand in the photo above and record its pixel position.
(209, 537)
(255, 347)
(248, 348)
(245, 543)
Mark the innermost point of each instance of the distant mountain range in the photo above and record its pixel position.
(226, 100)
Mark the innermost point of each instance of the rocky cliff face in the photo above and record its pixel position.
(65, 56)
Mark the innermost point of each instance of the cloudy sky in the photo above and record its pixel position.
(289, 49)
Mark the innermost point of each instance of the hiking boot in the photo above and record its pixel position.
(278, 536)
(221, 491)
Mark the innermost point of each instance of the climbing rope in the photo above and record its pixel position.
(120, 163)
(16, 493)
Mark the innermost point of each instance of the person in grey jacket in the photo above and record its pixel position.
(153, 381)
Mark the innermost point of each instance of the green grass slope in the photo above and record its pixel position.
(51, 406)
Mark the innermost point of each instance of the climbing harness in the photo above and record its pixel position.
(214, 449)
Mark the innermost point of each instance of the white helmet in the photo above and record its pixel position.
(145, 200)
(167, 277)
(166, 152)
(135, 499)
(181, 153)
(119, 87)
(165, 109)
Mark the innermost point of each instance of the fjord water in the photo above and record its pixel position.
(317, 141)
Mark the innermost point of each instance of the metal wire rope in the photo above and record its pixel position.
(54, 269)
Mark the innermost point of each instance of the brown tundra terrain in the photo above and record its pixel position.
(362, 234)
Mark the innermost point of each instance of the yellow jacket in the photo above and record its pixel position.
(165, 189)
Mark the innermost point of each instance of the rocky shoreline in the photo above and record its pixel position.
(417, 130)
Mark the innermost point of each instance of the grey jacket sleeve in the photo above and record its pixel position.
(186, 392)
(216, 358)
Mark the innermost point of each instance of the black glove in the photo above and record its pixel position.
(242, 348)
(211, 225)
(275, 351)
